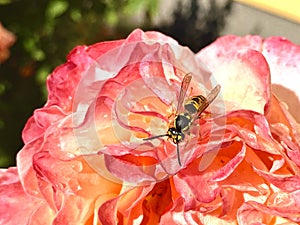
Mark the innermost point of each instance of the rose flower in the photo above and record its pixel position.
(88, 156)
(6, 41)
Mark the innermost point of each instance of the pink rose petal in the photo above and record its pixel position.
(189, 184)
(230, 166)
(284, 182)
(247, 215)
(176, 214)
(243, 65)
(252, 212)
(40, 121)
(12, 196)
(108, 212)
(283, 57)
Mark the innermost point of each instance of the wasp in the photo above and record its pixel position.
(187, 112)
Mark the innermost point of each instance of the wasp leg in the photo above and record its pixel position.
(178, 156)
(199, 133)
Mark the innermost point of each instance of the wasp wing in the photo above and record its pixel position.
(213, 93)
(209, 99)
(184, 87)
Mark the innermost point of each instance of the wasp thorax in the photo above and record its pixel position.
(182, 122)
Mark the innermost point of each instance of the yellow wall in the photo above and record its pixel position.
(289, 9)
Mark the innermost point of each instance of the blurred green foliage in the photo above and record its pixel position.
(47, 30)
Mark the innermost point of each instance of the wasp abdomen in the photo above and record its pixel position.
(192, 104)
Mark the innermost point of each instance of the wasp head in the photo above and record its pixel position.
(175, 135)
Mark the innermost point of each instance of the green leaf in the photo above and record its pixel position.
(2, 88)
(5, 2)
(111, 17)
(56, 8)
(76, 15)
(41, 77)
(153, 7)
(4, 160)
(32, 47)
(133, 6)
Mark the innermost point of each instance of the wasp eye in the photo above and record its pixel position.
(172, 130)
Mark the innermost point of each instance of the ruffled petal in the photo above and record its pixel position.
(241, 70)
(12, 196)
(283, 57)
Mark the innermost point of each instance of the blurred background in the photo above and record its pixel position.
(36, 36)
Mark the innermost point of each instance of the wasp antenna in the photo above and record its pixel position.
(154, 137)
(178, 156)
